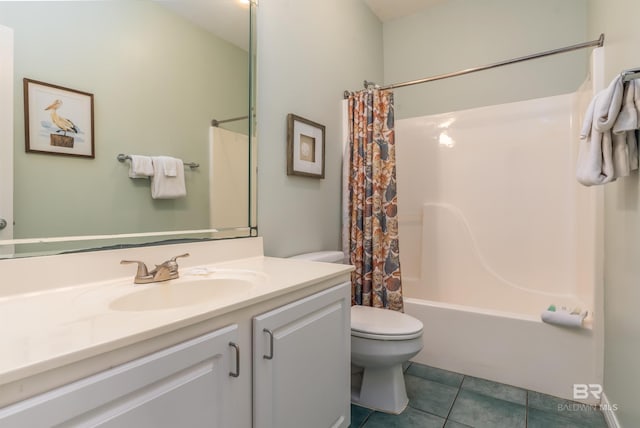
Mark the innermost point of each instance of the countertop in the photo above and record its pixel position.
(51, 328)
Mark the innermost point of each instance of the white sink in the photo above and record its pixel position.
(185, 292)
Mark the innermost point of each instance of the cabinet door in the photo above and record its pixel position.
(301, 362)
(182, 386)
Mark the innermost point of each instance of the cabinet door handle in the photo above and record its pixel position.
(237, 348)
(270, 333)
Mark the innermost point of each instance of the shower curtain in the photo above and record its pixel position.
(372, 201)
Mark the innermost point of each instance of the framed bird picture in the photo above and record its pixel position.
(58, 120)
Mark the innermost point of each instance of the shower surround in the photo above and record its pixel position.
(494, 228)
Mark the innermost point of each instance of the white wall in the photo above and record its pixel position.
(309, 52)
(457, 34)
(622, 227)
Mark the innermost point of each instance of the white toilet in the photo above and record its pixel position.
(381, 342)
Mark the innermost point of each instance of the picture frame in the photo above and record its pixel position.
(305, 147)
(58, 120)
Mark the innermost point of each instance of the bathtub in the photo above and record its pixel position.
(510, 348)
(493, 229)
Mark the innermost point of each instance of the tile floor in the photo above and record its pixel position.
(443, 399)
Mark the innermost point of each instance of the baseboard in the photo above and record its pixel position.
(608, 410)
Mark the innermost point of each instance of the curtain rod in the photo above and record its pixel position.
(593, 43)
(215, 122)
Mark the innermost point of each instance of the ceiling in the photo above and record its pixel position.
(229, 20)
(388, 10)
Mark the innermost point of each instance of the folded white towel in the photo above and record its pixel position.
(608, 106)
(563, 318)
(596, 152)
(165, 186)
(625, 153)
(627, 119)
(140, 167)
(624, 135)
(595, 160)
(171, 166)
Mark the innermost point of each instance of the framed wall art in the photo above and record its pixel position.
(58, 120)
(305, 147)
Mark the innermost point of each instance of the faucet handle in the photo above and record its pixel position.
(142, 268)
(173, 259)
(172, 264)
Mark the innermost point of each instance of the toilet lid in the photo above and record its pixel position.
(383, 324)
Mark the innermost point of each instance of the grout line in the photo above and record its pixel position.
(424, 412)
(446, 418)
(364, 421)
(405, 370)
(526, 409)
(454, 400)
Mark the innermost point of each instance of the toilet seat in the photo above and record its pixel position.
(383, 324)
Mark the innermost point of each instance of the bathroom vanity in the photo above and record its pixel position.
(249, 341)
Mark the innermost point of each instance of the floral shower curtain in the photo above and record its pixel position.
(372, 202)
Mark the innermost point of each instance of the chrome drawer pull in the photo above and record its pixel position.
(237, 348)
(270, 333)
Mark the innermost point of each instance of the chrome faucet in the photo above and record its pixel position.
(162, 272)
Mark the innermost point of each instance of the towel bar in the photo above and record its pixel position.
(122, 157)
(630, 74)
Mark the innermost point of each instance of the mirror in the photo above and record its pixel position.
(159, 73)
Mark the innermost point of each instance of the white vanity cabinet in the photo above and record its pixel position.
(301, 355)
(291, 352)
(186, 385)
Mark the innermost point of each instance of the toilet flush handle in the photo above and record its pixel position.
(270, 333)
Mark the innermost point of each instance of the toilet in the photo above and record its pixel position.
(382, 341)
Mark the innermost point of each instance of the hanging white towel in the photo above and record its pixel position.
(171, 166)
(164, 185)
(628, 117)
(596, 151)
(624, 128)
(140, 166)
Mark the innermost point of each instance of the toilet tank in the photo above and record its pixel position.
(322, 256)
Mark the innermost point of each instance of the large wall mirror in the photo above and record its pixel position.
(160, 72)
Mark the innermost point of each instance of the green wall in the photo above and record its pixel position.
(157, 82)
(622, 227)
(309, 52)
(454, 35)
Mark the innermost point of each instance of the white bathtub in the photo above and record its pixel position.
(493, 229)
(514, 349)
